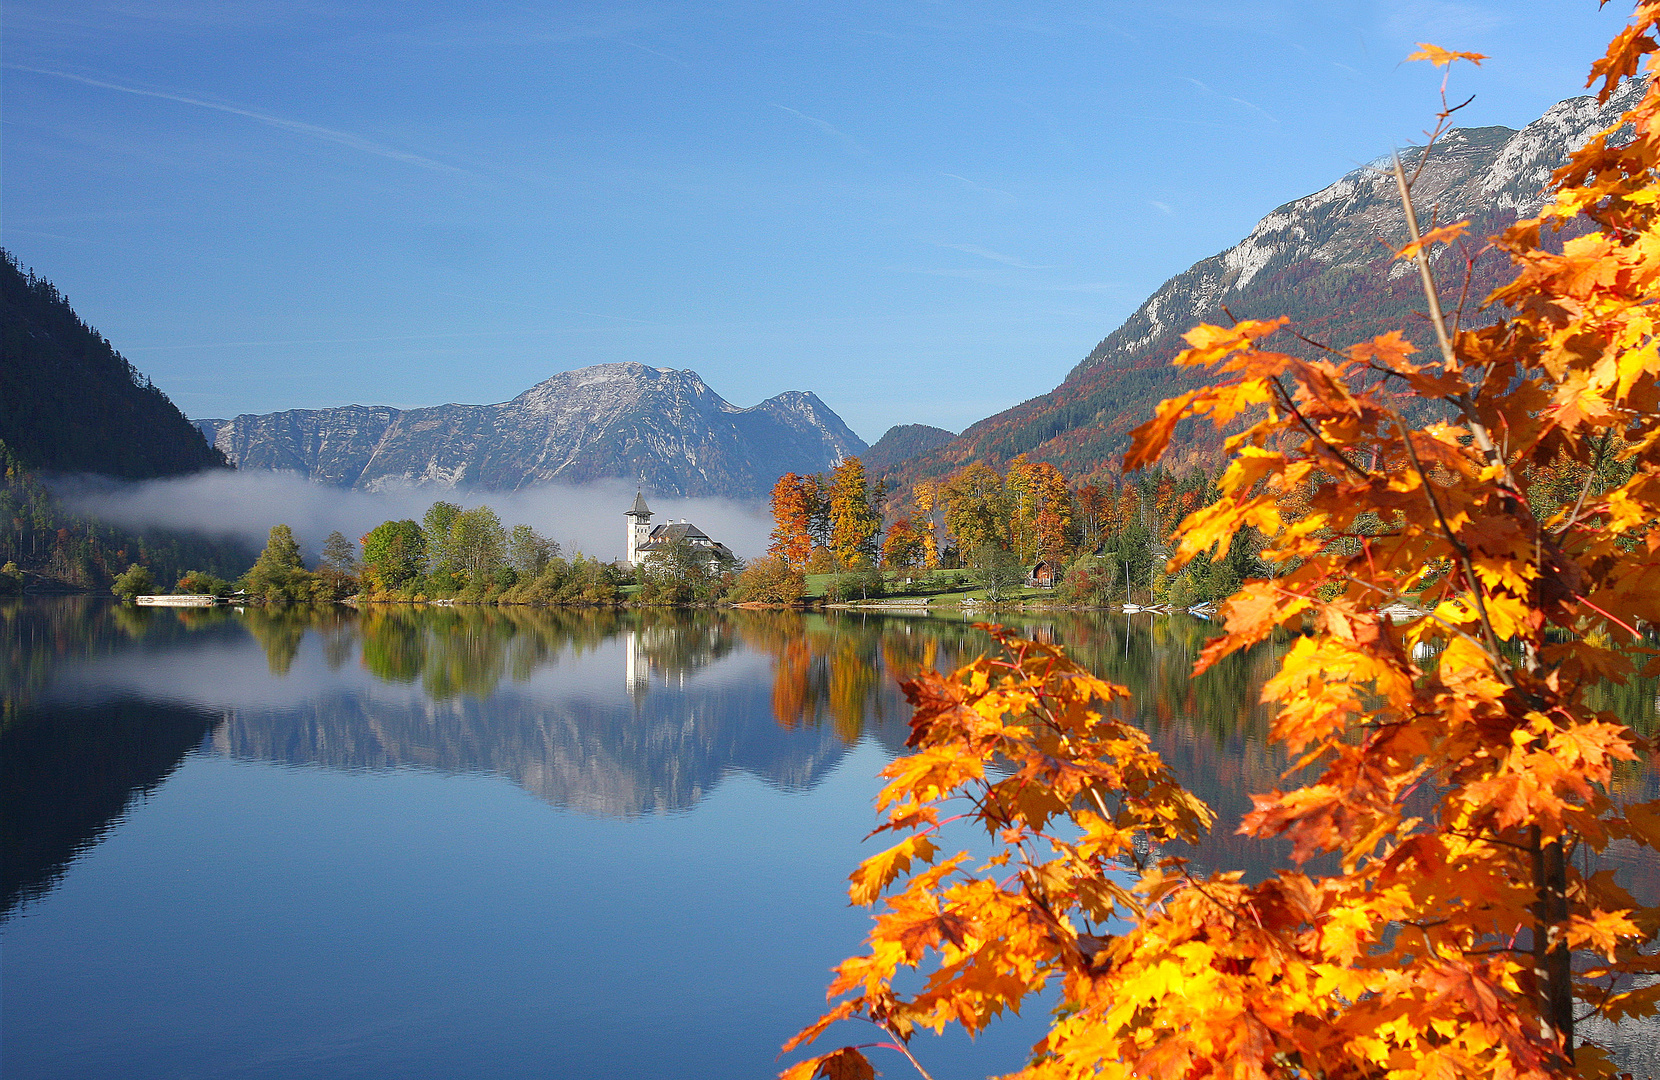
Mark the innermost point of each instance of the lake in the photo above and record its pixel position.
(428, 842)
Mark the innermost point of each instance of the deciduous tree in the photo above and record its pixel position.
(1465, 799)
(853, 526)
(792, 517)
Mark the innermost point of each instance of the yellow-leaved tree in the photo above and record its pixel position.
(1458, 771)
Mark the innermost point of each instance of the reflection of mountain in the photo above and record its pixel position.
(581, 753)
(67, 774)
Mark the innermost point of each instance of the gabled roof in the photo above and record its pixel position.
(674, 530)
(639, 509)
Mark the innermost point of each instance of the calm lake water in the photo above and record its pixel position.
(495, 843)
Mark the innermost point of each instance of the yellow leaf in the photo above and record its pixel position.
(1446, 234)
(878, 871)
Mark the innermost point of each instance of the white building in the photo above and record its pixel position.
(643, 537)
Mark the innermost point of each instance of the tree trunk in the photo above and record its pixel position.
(1552, 962)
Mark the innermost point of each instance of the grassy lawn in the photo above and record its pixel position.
(942, 587)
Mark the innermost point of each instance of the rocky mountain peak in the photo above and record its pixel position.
(663, 426)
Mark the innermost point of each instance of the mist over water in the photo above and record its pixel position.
(244, 505)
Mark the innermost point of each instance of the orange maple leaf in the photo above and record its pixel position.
(1440, 57)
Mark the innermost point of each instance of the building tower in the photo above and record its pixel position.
(639, 528)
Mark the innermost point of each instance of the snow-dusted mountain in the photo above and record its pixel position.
(1321, 260)
(657, 426)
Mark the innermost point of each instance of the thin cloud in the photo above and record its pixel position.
(977, 186)
(654, 52)
(1163, 208)
(1255, 108)
(835, 133)
(1236, 100)
(343, 138)
(995, 256)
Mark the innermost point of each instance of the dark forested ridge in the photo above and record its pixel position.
(1321, 260)
(70, 403)
(903, 442)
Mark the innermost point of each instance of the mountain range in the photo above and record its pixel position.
(1322, 260)
(659, 427)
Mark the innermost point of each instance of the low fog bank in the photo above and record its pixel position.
(223, 503)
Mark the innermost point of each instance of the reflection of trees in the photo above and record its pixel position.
(844, 667)
(471, 651)
(39, 633)
(280, 628)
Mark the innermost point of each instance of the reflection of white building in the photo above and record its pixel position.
(644, 538)
(637, 662)
(636, 668)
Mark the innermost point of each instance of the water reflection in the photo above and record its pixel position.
(609, 713)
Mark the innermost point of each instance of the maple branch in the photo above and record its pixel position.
(1436, 319)
(899, 1045)
(1285, 399)
(1463, 295)
(1615, 618)
(1501, 665)
(1400, 598)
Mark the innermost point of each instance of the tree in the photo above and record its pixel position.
(770, 581)
(337, 566)
(853, 527)
(477, 543)
(792, 515)
(996, 570)
(529, 552)
(1042, 509)
(925, 500)
(904, 548)
(816, 490)
(135, 581)
(394, 554)
(977, 509)
(437, 524)
(1465, 799)
(1093, 506)
(680, 572)
(279, 574)
(201, 583)
(339, 555)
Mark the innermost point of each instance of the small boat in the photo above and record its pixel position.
(186, 600)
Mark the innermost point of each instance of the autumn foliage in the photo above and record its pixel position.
(1450, 765)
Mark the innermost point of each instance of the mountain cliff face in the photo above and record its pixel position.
(660, 427)
(1322, 261)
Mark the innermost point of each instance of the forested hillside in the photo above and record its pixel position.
(1323, 260)
(56, 550)
(70, 403)
(903, 442)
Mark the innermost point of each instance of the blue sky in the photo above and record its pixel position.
(924, 212)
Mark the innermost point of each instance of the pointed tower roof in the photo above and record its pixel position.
(639, 509)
